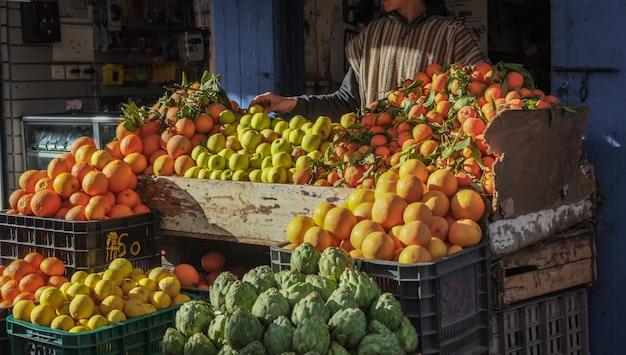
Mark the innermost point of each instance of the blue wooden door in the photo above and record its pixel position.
(258, 47)
(588, 34)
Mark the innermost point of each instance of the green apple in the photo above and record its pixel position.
(241, 129)
(250, 139)
(255, 175)
(245, 120)
(240, 175)
(203, 159)
(295, 136)
(227, 117)
(324, 119)
(204, 173)
(306, 127)
(229, 129)
(267, 162)
(260, 121)
(264, 149)
(296, 121)
(315, 155)
(256, 108)
(280, 126)
(192, 172)
(282, 159)
(216, 174)
(303, 162)
(216, 162)
(226, 153)
(256, 160)
(269, 135)
(227, 175)
(216, 142)
(277, 174)
(233, 143)
(264, 173)
(196, 151)
(348, 119)
(324, 147)
(321, 129)
(238, 161)
(286, 133)
(281, 145)
(310, 142)
(276, 121)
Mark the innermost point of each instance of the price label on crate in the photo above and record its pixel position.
(458, 295)
(122, 245)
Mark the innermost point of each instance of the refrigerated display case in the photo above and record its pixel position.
(47, 136)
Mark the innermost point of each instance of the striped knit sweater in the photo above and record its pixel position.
(389, 51)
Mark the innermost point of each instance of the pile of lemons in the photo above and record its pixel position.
(93, 300)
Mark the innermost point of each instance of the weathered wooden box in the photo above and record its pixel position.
(562, 261)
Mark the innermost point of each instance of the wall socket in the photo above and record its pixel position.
(72, 72)
(87, 71)
(58, 72)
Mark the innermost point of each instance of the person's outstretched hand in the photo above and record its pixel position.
(274, 103)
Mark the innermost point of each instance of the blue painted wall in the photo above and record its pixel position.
(588, 33)
(258, 47)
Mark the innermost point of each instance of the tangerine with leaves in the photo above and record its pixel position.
(204, 123)
(151, 144)
(467, 203)
(45, 203)
(178, 145)
(339, 222)
(388, 210)
(378, 245)
(119, 174)
(185, 127)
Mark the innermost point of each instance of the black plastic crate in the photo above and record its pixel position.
(4, 337)
(448, 300)
(555, 324)
(88, 246)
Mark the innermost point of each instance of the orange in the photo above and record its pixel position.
(23, 204)
(119, 210)
(57, 280)
(164, 165)
(204, 123)
(388, 210)
(320, 212)
(79, 198)
(65, 184)
(363, 211)
(178, 145)
(31, 282)
(45, 203)
(359, 196)
(15, 196)
(439, 227)
(137, 161)
(410, 187)
(182, 164)
(296, 228)
(118, 173)
(128, 197)
(95, 183)
(185, 127)
(187, 275)
(132, 181)
(437, 248)
(100, 158)
(10, 290)
(29, 296)
(361, 230)
(34, 258)
(121, 131)
(113, 147)
(58, 165)
(454, 249)
(414, 167)
(414, 233)
(61, 213)
(44, 184)
(515, 80)
(384, 187)
(131, 143)
(29, 178)
(150, 127)
(18, 268)
(378, 245)
(151, 143)
(102, 200)
(339, 222)
(95, 210)
(81, 141)
(414, 254)
(389, 175)
(141, 208)
(437, 201)
(417, 211)
(467, 203)
(442, 180)
(76, 213)
(319, 237)
(212, 261)
(52, 266)
(84, 153)
(464, 232)
(81, 169)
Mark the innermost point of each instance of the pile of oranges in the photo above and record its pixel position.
(26, 278)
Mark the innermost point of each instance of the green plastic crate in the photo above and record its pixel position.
(136, 336)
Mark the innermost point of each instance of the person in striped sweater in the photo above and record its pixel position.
(411, 35)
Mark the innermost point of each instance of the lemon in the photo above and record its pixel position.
(170, 285)
(133, 308)
(53, 297)
(123, 265)
(117, 291)
(83, 322)
(92, 279)
(64, 309)
(97, 321)
(76, 289)
(137, 277)
(81, 306)
(148, 283)
(140, 293)
(62, 322)
(64, 287)
(43, 315)
(137, 271)
(110, 303)
(79, 276)
(103, 289)
(158, 273)
(127, 285)
(149, 308)
(78, 329)
(116, 316)
(180, 298)
(160, 299)
(115, 275)
(22, 310)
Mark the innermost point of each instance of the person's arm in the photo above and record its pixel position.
(345, 99)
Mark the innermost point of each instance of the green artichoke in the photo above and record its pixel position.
(278, 336)
(348, 326)
(260, 278)
(305, 258)
(364, 287)
(270, 305)
(309, 306)
(333, 261)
